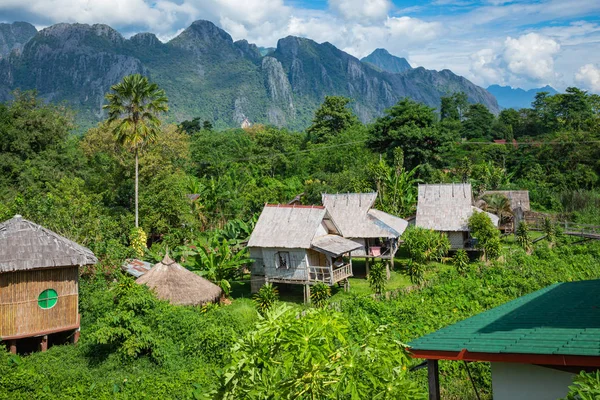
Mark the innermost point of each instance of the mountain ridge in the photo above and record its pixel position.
(208, 75)
(509, 97)
(384, 61)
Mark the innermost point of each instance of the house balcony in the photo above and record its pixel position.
(329, 275)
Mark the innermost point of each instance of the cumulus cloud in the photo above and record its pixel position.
(531, 56)
(589, 77)
(526, 60)
(361, 9)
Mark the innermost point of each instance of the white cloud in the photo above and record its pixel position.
(524, 61)
(361, 9)
(531, 56)
(589, 77)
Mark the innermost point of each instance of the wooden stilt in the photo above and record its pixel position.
(307, 294)
(433, 377)
(12, 344)
(76, 336)
(367, 266)
(388, 274)
(44, 343)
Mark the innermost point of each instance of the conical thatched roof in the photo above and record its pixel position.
(178, 285)
(26, 246)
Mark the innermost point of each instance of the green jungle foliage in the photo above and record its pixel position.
(319, 294)
(487, 235)
(266, 297)
(586, 386)
(200, 191)
(377, 277)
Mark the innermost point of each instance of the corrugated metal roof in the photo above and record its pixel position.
(445, 207)
(353, 214)
(334, 245)
(287, 226)
(136, 267)
(562, 319)
(25, 246)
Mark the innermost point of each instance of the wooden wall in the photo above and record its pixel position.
(20, 313)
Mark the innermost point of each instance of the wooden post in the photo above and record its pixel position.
(307, 294)
(76, 336)
(433, 377)
(388, 274)
(44, 343)
(367, 266)
(12, 344)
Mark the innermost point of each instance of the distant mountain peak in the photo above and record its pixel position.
(382, 60)
(14, 36)
(509, 97)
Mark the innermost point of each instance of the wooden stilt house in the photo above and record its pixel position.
(375, 231)
(39, 283)
(447, 208)
(299, 245)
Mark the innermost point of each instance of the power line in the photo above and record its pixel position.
(515, 144)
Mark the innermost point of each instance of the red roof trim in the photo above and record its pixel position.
(293, 206)
(543, 359)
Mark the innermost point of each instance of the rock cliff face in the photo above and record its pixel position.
(208, 75)
(14, 36)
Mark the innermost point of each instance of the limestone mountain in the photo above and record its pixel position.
(14, 36)
(208, 75)
(517, 98)
(384, 61)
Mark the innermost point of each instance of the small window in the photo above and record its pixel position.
(47, 299)
(282, 259)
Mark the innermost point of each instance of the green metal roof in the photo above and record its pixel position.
(562, 319)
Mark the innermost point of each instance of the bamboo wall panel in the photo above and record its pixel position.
(20, 313)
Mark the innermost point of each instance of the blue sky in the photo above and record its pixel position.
(521, 43)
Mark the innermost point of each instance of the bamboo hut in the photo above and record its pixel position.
(377, 232)
(299, 245)
(176, 284)
(517, 198)
(446, 208)
(39, 283)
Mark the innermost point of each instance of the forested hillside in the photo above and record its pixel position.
(208, 75)
(135, 346)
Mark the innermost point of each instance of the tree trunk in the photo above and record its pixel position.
(136, 188)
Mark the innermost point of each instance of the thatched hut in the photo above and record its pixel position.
(376, 231)
(517, 198)
(178, 285)
(446, 208)
(39, 282)
(299, 245)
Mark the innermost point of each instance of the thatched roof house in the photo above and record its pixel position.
(39, 275)
(298, 244)
(518, 198)
(356, 218)
(447, 208)
(26, 246)
(178, 285)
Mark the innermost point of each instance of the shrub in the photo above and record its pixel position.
(319, 294)
(461, 261)
(523, 237)
(586, 386)
(377, 277)
(424, 245)
(137, 241)
(266, 296)
(487, 234)
(416, 271)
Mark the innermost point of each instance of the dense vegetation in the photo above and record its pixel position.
(133, 345)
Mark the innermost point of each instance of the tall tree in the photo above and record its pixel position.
(478, 122)
(134, 105)
(453, 107)
(332, 117)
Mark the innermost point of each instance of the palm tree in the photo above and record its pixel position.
(498, 204)
(134, 104)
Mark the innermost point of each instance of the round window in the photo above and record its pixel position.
(47, 299)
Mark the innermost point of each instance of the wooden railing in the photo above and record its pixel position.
(329, 276)
(342, 273)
